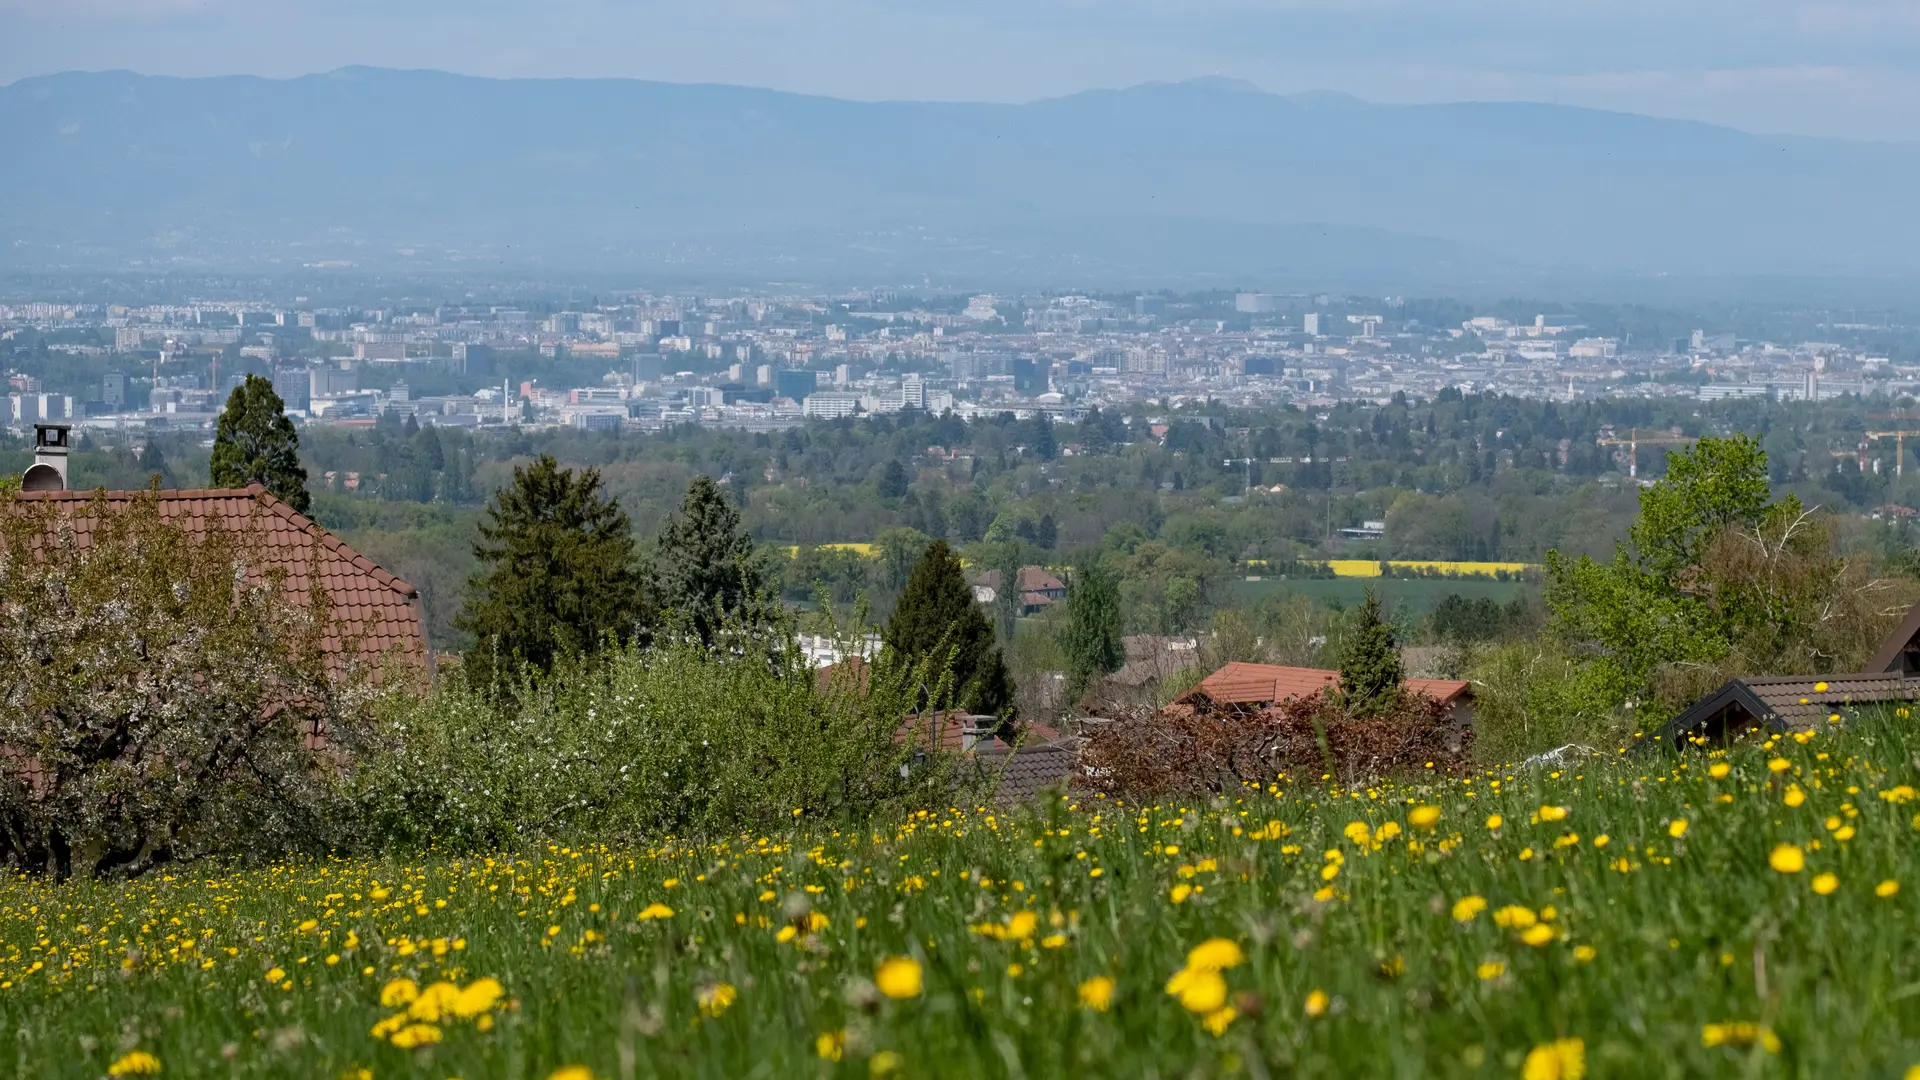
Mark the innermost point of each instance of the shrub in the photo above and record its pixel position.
(1186, 751)
(1529, 698)
(674, 740)
(161, 695)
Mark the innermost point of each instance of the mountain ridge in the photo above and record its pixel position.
(118, 168)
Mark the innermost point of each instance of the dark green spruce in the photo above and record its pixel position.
(255, 443)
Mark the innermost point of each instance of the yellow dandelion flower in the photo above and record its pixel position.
(1562, 1059)
(1739, 1033)
(399, 992)
(1215, 954)
(478, 997)
(1788, 859)
(136, 1063)
(1423, 817)
(1537, 935)
(899, 977)
(1886, 889)
(1468, 908)
(1553, 813)
(1515, 917)
(414, 1036)
(1795, 796)
(1779, 764)
(1097, 993)
(831, 1045)
(1491, 969)
(1825, 884)
(1180, 893)
(1677, 828)
(436, 1002)
(1217, 1021)
(1316, 1003)
(1719, 770)
(1585, 953)
(1494, 821)
(654, 911)
(716, 999)
(885, 1063)
(1198, 991)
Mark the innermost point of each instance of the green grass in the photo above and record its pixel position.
(1413, 595)
(1649, 939)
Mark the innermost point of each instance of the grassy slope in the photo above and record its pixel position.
(1684, 932)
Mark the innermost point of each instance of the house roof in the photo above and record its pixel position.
(1785, 703)
(1898, 652)
(1242, 683)
(1026, 771)
(1032, 579)
(368, 603)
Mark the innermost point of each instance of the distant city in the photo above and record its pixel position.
(762, 363)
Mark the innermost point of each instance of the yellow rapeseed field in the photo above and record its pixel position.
(1743, 912)
(1371, 567)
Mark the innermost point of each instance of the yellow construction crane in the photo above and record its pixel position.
(1634, 439)
(1899, 447)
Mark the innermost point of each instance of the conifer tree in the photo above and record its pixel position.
(1370, 669)
(558, 574)
(1093, 640)
(705, 569)
(936, 617)
(256, 443)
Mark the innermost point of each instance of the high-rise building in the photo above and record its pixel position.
(913, 391)
(795, 383)
(113, 390)
(1310, 322)
(295, 387)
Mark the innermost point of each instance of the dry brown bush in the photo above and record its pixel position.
(1181, 750)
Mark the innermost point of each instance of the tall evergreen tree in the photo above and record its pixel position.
(936, 617)
(256, 443)
(705, 570)
(1007, 596)
(1093, 640)
(558, 574)
(1370, 669)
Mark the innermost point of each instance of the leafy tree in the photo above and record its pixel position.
(1654, 605)
(936, 619)
(558, 574)
(193, 743)
(900, 551)
(1370, 670)
(705, 569)
(1007, 597)
(154, 463)
(256, 443)
(1093, 640)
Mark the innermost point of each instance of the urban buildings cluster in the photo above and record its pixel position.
(769, 362)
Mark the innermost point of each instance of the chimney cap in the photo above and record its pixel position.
(51, 437)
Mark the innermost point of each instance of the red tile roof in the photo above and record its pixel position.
(1241, 683)
(381, 610)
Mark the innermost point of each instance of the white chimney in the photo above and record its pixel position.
(49, 469)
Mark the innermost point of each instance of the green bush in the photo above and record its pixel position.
(1529, 698)
(675, 740)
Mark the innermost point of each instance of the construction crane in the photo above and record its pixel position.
(1899, 447)
(1634, 439)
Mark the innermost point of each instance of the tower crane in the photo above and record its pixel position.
(1634, 439)
(1899, 446)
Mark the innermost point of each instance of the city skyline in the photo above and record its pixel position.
(1842, 69)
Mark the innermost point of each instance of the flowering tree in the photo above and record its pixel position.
(162, 696)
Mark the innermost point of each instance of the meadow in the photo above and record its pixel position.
(1725, 912)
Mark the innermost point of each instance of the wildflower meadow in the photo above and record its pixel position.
(1720, 912)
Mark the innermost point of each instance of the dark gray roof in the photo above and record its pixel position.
(1786, 703)
(1021, 774)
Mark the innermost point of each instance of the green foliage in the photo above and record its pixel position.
(937, 622)
(706, 570)
(1717, 580)
(1530, 697)
(557, 578)
(154, 710)
(1093, 627)
(255, 443)
(1370, 668)
(673, 740)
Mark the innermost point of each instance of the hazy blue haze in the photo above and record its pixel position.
(1207, 178)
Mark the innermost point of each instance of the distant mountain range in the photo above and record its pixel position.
(1202, 180)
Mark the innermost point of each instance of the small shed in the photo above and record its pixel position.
(1785, 703)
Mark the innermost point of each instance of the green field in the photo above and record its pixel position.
(1414, 595)
(1746, 914)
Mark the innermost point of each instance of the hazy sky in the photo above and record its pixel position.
(1844, 67)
